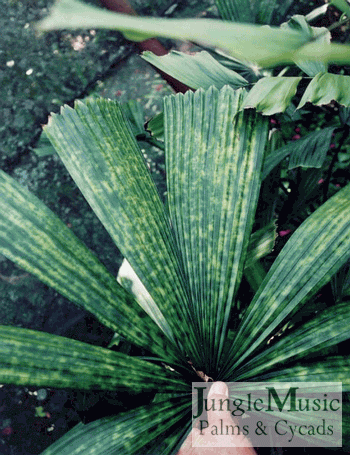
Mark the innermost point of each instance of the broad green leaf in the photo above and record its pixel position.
(309, 151)
(97, 146)
(319, 35)
(316, 250)
(40, 243)
(35, 358)
(213, 157)
(327, 87)
(127, 433)
(272, 94)
(265, 45)
(328, 328)
(200, 70)
(332, 369)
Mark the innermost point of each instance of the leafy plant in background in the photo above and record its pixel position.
(191, 256)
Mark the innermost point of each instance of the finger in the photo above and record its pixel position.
(218, 403)
(220, 415)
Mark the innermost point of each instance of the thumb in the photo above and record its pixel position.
(219, 408)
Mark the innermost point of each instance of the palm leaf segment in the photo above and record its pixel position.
(191, 262)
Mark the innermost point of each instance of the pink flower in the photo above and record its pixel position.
(296, 137)
(283, 233)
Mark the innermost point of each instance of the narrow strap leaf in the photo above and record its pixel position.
(35, 358)
(214, 156)
(330, 369)
(317, 249)
(326, 329)
(100, 152)
(126, 433)
(200, 70)
(38, 241)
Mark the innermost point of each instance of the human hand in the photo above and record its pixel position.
(233, 443)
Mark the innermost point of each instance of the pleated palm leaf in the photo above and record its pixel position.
(190, 257)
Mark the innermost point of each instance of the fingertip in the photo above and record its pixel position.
(218, 388)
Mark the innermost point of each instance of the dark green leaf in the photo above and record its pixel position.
(127, 433)
(39, 242)
(100, 152)
(309, 151)
(214, 155)
(330, 369)
(318, 248)
(35, 358)
(328, 328)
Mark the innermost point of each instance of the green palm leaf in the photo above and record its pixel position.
(326, 329)
(100, 152)
(128, 432)
(213, 185)
(318, 248)
(39, 242)
(329, 369)
(28, 357)
(190, 259)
